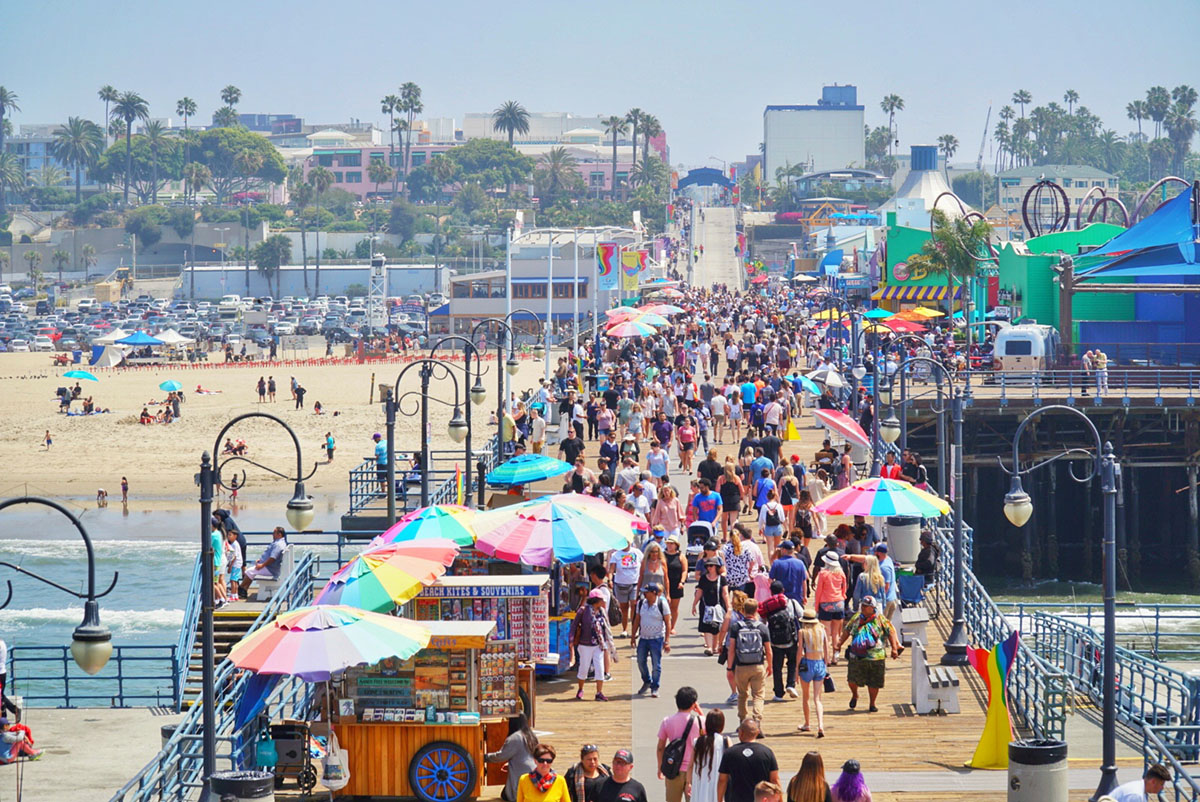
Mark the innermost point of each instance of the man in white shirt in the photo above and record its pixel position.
(1147, 788)
(537, 431)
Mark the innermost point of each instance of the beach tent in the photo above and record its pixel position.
(139, 338)
(107, 356)
(111, 337)
(172, 337)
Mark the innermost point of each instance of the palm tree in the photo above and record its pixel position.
(129, 106)
(60, 259)
(155, 134)
(1136, 111)
(1158, 103)
(225, 117)
(1000, 134)
(185, 107)
(1022, 97)
(890, 105)
(108, 94)
(302, 195)
(411, 105)
(949, 146)
(651, 128)
(556, 167)
(512, 118)
(1110, 150)
(88, 252)
(8, 103)
(615, 125)
(320, 179)
(379, 173)
(197, 175)
(1070, 97)
(12, 174)
(77, 145)
(1180, 123)
(33, 259)
(389, 106)
(953, 249)
(634, 117)
(1184, 95)
(231, 95)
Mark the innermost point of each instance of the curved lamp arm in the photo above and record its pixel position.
(91, 594)
(300, 475)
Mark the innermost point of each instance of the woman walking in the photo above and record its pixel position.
(710, 604)
(851, 787)
(668, 513)
(591, 636)
(517, 752)
(677, 568)
(654, 567)
(585, 777)
(818, 488)
(703, 776)
(870, 582)
(771, 520)
(741, 559)
(809, 783)
(830, 600)
(731, 490)
(812, 669)
(542, 784)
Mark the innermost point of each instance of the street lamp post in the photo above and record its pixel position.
(510, 365)
(1018, 507)
(91, 644)
(956, 644)
(477, 395)
(939, 371)
(299, 516)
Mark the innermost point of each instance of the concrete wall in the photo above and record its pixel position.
(213, 282)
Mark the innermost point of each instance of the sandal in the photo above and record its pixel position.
(820, 733)
(708, 652)
(804, 728)
(601, 697)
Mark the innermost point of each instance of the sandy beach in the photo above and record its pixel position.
(160, 461)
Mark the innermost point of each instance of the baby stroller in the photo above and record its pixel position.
(698, 533)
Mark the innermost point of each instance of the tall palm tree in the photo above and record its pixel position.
(60, 259)
(231, 95)
(634, 117)
(197, 176)
(949, 146)
(155, 134)
(88, 253)
(411, 105)
(1000, 134)
(185, 107)
(320, 179)
(109, 95)
(12, 174)
(129, 106)
(301, 196)
(556, 167)
(1110, 145)
(379, 173)
(247, 163)
(8, 103)
(1136, 111)
(651, 128)
(1022, 97)
(1180, 123)
(890, 105)
(1070, 97)
(615, 125)
(1184, 95)
(225, 117)
(512, 118)
(78, 145)
(1158, 103)
(389, 106)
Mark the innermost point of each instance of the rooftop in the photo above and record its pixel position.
(1053, 171)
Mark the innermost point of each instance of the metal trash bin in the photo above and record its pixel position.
(1037, 771)
(904, 538)
(241, 786)
(167, 730)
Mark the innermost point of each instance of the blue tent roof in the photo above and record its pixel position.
(139, 338)
(1171, 224)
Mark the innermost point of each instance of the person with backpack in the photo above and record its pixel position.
(771, 519)
(749, 652)
(677, 735)
(651, 635)
(872, 639)
(783, 616)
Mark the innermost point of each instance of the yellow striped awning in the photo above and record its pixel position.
(912, 292)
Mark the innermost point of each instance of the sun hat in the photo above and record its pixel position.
(831, 559)
(868, 600)
(809, 617)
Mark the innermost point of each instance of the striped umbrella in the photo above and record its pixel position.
(448, 521)
(630, 328)
(619, 313)
(566, 527)
(653, 318)
(387, 575)
(662, 309)
(313, 643)
(844, 425)
(881, 497)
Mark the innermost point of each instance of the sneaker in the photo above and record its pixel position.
(732, 700)
(791, 692)
(777, 699)
(601, 697)
(642, 690)
(654, 693)
(607, 676)
(579, 696)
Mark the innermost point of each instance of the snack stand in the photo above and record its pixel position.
(420, 727)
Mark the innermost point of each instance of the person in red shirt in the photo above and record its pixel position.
(890, 468)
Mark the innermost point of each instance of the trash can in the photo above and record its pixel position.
(241, 786)
(167, 731)
(904, 538)
(76, 356)
(1037, 771)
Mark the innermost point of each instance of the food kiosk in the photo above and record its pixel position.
(420, 727)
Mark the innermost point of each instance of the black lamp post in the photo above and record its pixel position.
(91, 645)
(1018, 508)
(299, 515)
(511, 365)
(940, 371)
(477, 394)
(457, 428)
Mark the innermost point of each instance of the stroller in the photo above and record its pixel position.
(698, 533)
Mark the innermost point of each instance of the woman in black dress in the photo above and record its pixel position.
(677, 568)
(711, 603)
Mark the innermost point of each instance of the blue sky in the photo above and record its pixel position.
(705, 69)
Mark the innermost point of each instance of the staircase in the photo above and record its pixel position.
(230, 625)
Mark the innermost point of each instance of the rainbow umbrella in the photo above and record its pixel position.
(565, 527)
(387, 575)
(652, 318)
(313, 643)
(448, 521)
(630, 328)
(619, 313)
(880, 497)
(844, 425)
(662, 309)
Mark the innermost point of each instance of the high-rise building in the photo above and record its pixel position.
(825, 136)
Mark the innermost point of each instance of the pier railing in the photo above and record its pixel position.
(365, 489)
(1160, 745)
(1162, 631)
(187, 634)
(135, 676)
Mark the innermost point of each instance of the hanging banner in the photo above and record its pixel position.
(606, 265)
(643, 262)
(630, 270)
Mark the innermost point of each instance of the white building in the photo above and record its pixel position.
(543, 126)
(825, 136)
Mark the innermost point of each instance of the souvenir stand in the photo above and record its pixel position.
(420, 727)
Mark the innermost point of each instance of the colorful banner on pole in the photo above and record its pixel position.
(631, 268)
(606, 265)
(993, 666)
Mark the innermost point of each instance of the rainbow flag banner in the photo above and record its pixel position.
(993, 665)
(606, 265)
(459, 485)
(630, 270)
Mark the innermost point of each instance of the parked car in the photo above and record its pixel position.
(19, 345)
(41, 343)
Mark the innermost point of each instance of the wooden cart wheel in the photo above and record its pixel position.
(442, 772)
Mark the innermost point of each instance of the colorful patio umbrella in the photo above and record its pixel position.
(761, 278)
(313, 643)
(621, 313)
(881, 497)
(448, 521)
(919, 314)
(80, 374)
(905, 326)
(171, 386)
(662, 309)
(808, 384)
(653, 318)
(565, 527)
(878, 314)
(387, 575)
(630, 328)
(826, 314)
(528, 468)
(669, 292)
(844, 425)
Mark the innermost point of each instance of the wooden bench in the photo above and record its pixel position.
(934, 687)
(909, 623)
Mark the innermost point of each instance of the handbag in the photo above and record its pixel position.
(614, 614)
(829, 686)
(714, 614)
(803, 666)
(335, 773)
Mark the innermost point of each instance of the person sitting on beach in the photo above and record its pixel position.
(318, 409)
(145, 417)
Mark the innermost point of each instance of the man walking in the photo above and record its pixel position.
(749, 652)
(621, 787)
(650, 634)
(783, 623)
(686, 725)
(745, 764)
(791, 573)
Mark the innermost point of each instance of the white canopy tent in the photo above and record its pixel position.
(111, 337)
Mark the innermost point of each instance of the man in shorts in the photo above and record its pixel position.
(381, 460)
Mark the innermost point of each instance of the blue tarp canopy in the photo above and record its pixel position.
(139, 338)
(1163, 244)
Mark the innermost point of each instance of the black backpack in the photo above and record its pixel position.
(773, 518)
(781, 625)
(673, 753)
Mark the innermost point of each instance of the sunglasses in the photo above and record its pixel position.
(546, 760)
(590, 748)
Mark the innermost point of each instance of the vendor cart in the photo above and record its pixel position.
(420, 727)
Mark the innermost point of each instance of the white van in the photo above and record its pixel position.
(1026, 348)
(86, 305)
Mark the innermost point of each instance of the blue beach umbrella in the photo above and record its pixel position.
(528, 468)
(809, 385)
(80, 374)
(170, 386)
(878, 314)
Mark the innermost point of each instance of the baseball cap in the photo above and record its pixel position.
(868, 600)
(376, 436)
(623, 755)
(712, 545)
(787, 545)
(881, 548)
(651, 587)
(595, 594)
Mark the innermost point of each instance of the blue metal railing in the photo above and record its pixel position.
(1163, 631)
(174, 773)
(365, 486)
(1159, 745)
(134, 676)
(187, 634)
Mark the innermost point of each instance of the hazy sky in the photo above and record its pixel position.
(705, 69)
